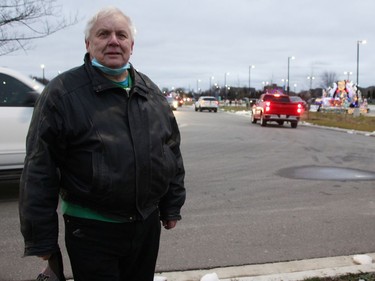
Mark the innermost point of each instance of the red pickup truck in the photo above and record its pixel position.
(277, 108)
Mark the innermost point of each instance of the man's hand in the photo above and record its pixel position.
(169, 224)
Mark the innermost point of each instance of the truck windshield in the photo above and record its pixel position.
(276, 98)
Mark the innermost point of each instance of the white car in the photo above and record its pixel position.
(18, 94)
(207, 103)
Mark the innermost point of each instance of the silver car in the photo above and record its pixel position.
(207, 103)
(18, 94)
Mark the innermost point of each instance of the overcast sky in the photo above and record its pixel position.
(181, 42)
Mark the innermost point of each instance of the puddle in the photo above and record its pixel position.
(326, 173)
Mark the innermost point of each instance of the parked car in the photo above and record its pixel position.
(173, 103)
(206, 103)
(18, 94)
(299, 100)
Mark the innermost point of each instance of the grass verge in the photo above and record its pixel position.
(341, 120)
(347, 121)
(349, 277)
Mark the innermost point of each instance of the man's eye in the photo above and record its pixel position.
(122, 36)
(103, 34)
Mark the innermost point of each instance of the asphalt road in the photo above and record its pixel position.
(243, 204)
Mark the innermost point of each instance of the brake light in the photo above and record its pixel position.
(268, 106)
(299, 109)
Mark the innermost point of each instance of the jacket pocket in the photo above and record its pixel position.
(100, 175)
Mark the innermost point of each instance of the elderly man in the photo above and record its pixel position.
(104, 139)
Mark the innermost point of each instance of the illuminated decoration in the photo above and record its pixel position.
(343, 95)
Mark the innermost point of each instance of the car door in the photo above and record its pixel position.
(17, 99)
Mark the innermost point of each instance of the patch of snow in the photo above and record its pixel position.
(210, 277)
(362, 259)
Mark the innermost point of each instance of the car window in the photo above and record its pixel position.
(295, 98)
(209, 99)
(15, 93)
(276, 98)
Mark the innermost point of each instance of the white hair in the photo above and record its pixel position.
(107, 12)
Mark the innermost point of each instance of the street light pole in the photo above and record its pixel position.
(210, 83)
(42, 66)
(311, 78)
(287, 87)
(250, 67)
(359, 42)
(348, 73)
(225, 84)
(198, 80)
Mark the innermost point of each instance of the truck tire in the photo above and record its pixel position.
(294, 124)
(263, 121)
(253, 120)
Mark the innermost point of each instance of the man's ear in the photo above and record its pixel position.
(131, 50)
(87, 43)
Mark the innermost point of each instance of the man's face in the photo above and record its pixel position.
(110, 41)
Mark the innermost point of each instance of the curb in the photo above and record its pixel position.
(281, 271)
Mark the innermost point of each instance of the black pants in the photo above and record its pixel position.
(101, 251)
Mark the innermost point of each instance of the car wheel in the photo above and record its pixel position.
(263, 121)
(200, 109)
(294, 124)
(196, 108)
(215, 110)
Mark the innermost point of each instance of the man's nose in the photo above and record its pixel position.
(113, 40)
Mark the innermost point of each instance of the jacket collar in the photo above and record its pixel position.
(100, 83)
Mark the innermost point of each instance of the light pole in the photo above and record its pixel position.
(348, 73)
(211, 78)
(311, 78)
(250, 67)
(198, 80)
(287, 87)
(225, 84)
(42, 66)
(295, 88)
(284, 83)
(358, 43)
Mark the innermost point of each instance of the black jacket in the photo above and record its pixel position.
(101, 147)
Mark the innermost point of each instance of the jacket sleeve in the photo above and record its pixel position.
(39, 185)
(172, 202)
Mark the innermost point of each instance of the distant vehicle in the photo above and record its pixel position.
(180, 101)
(206, 103)
(299, 100)
(173, 103)
(18, 94)
(277, 108)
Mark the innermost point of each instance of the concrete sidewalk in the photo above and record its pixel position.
(282, 271)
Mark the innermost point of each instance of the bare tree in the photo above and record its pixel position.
(22, 21)
(328, 78)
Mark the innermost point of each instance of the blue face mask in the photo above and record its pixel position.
(110, 71)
